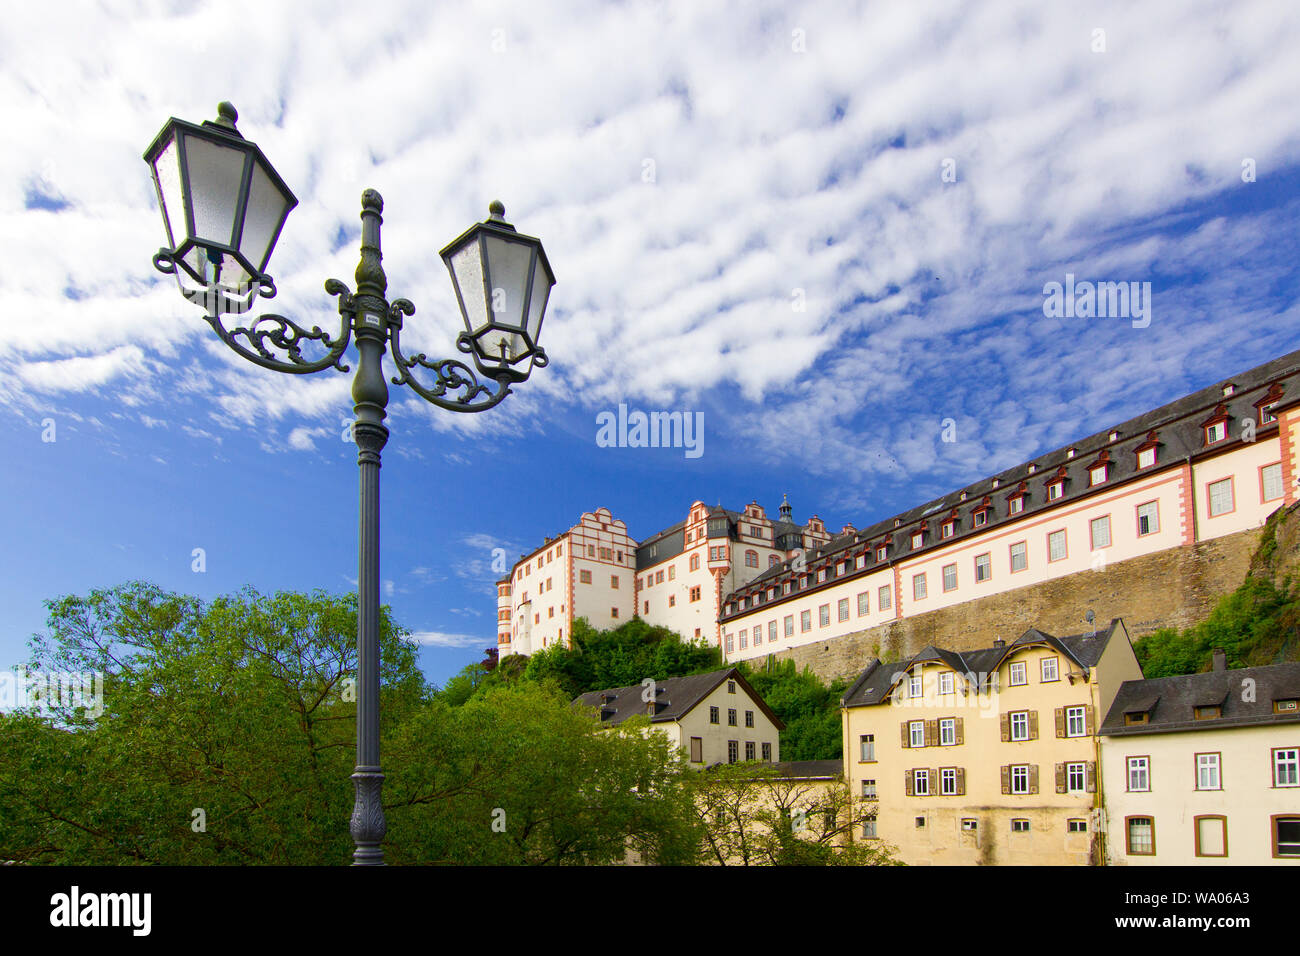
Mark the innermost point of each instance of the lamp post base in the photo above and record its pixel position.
(368, 825)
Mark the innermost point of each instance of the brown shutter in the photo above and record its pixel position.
(907, 780)
(936, 787)
(1005, 721)
(1090, 776)
(1033, 778)
(932, 733)
(1060, 777)
(905, 739)
(1033, 725)
(1006, 779)
(1060, 721)
(961, 781)
(1089, 723)
(961, 738)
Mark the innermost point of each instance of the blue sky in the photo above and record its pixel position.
(747, 210)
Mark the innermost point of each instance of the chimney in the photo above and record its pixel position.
(998, 642)
(1220, 659)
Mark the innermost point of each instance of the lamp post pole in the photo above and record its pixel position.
(223, 207)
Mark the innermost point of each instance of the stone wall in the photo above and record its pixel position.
(1173, 588)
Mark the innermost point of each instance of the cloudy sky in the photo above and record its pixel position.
(825, 226)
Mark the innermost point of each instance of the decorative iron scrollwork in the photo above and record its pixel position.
(451, 376)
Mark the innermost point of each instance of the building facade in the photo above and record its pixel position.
(1204, 769)
(987, 756)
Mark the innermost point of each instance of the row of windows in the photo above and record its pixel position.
(1017, 779)
(733, 750)
(971, 825)
(1210, 835)
(715, 714)
(1208, 770)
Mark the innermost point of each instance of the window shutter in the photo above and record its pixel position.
(961, 781)
(1006, 779)
(1090, 776)
(907, 779)
(1060, 777)
(1033, 778)
(936, 787)
(1088, 722)
(932, 733)
(1060, 721)
(1005, 721)
(906, 739)
(1033, 725)
(961, 738)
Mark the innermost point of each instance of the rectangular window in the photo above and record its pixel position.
(881, 553)
(883, 598)
(1055, 490)
(1286, 836)
(713, 715)
(733, 751)
(916, 540)
(916, 733)
(1074, 777)
(758, 635)
(970, 824)
(863, 604)
(842, 609)
(1075, 722)
(767, 751)
(921, 783)
(1207, 772)
(1216, 432)
(1056, 546)
(1100, 529)
(980, 518)
(1270, 481)
(1020, 779)
(824, 615)
(805, 621)
(914, 686)
(1148, 518)
(1211, 835)
(947, 530)
(950, 577)
(1141, 836)
(1047, 669)
(1018, 674)
(731, 717)
(1019, 826)
(948, 730)
(1077, 826)
(867, 747)
(749, 718)
(1097, 476)
(697, 750)
(1146, 457)
(1016, 505)
(695, 594)
(918, 586)
(584, 577)
(1286, 768)
(945, 683)
(749, 750)
(771, 631)
(1220, 497)
(730, 643)
(1019, 556)
(744, 638)
(1139, 776)
(789, 625)
(1020, 725)
(868, 829)
(613, 581)
(869, 790)
(948, 782)
(983, 567)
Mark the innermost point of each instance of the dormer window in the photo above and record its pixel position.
(1132, 719)
(948, 529)
(1208, 712)
(1032, 468)
(1216, 432)
(821, 575)
(1097, 475)
(1055, 490)
(1113, 436)
(1070, 453)
(1016, 505)
(1266, 413)
(861, 561)
(981, 517)
(996, 482)
(880, 553)
(963, 496)
(1146, 457)
(897, 522)
(1229, 389)
(917, 540)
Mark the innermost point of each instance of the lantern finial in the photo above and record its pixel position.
(497, 210)
(227, 115)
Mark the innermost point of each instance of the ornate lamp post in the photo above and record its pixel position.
(223, 207)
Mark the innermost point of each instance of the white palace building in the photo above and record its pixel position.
(1215, 462)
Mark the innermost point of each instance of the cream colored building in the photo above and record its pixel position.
(1204, 769)
(987, 756)
(714, 718)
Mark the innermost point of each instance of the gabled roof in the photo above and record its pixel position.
(675, 697)
(1246, 696)
(875, 684)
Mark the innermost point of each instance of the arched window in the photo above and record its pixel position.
(751, 559)
(773, 561)
(695, 562)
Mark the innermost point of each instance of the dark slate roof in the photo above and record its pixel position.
(1178, 434)
(874, 684)
(1168, 701)
(675, 697)
(671, 541)
(811, 769)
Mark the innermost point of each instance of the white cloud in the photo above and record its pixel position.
(443, 639)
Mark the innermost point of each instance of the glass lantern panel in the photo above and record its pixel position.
(467, 270)
(508, 264)
(216, 173)
(490, 343)
(537, 304)
(167, 173)
(267, 207)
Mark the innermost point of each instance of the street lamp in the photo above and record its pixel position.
(223, 206)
